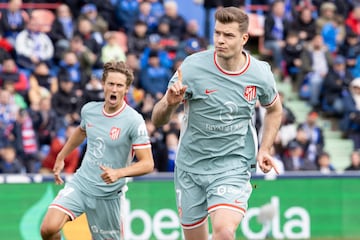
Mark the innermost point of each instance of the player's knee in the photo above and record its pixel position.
(49, 231)
(223, 233)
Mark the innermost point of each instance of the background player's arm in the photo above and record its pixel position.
(143, 165)
(169, 103)
(73, 142)
(272, 122)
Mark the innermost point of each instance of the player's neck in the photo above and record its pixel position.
(111, 109)
(234, 64)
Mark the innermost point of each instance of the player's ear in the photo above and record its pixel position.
(245, 38)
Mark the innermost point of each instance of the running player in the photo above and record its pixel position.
(114, 133)
(218, 143)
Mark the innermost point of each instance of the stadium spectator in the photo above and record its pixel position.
(33, 46)
(354, 161)
(350, 121)
(57, 143)
(90, 12)
(158, 146)
(45, 122)
(132, 61)
(188, 47)
(352, 20)
(91, 40)
(13, 20)
(192, 31)
(25, 139)
(6, 49)
(42, 83)
(8, 112)
(292, 55)
(112, 50)
(314, 134)
(154, 78)
(304, 25)
(138, 39)
(94, 90)
(62, 30)
(172, 141)
(324, 163)
(155, 45)
(10, 73)
(333, 33)
(85, 56)
(71, 66)
(176, 21)
(9, 162)
(316, 60)
(168, 41)
(276, 27)
(350, 49)
(65, 102)
(296, 160)
(126, 13)
(147, 17)
(335, 82)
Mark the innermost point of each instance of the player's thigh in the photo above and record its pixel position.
(104, 219)
(190, 199)
(54, 220)
(225, 218)
(228, 195)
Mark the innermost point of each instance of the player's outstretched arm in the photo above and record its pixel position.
(169, 103)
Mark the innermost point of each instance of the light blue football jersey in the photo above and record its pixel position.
(217, 133)
(111, 140)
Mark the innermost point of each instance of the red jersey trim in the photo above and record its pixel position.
(194, 225)
(141, 146)
(270, 104)
(245, 67)
(229, 206)
(115, 113)
(65, 210)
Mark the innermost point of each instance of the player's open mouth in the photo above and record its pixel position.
(113, 98)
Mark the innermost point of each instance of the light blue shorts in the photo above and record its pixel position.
(103, 215)
(199, 194)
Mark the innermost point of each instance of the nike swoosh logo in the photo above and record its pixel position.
(208, 91)
(237, 201)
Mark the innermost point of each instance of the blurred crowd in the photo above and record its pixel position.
(47, 73)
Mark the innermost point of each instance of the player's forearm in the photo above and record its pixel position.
(272, 122)
(73, 142)
(136, 169)
(162, 112)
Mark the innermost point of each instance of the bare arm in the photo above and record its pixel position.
(144, 165)
(73, 142)
(272, 122)
(169, 103)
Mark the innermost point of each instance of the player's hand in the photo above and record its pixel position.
(175, 94)
(57, 169)
(109, 175)
(266, 162)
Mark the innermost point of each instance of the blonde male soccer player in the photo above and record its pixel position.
(218, 145)
(114, 132)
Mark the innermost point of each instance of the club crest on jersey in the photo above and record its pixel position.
(114, 133)
(250, 93)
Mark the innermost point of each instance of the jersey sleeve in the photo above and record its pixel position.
(83, 116)
(139, 134)
(268, 92)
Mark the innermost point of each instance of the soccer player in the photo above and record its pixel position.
(114, 133)
(218, 145)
